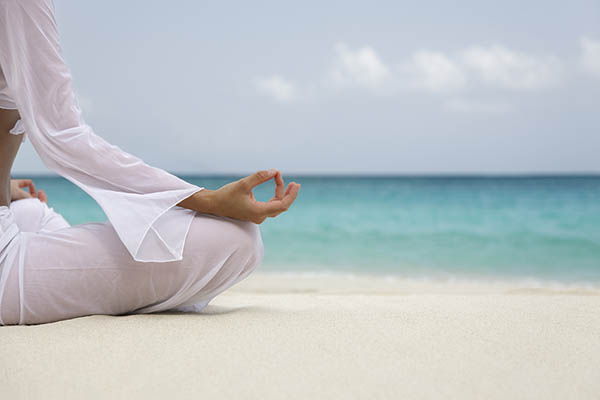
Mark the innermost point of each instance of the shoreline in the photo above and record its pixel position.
(358, 282)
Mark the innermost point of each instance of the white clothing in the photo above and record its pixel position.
(151, 255)
(139, 200)
(54, 271)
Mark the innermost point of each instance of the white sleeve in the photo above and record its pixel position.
(139, 200)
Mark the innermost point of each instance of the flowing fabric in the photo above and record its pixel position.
(139, 200)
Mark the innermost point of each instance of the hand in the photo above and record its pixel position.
(16, 193)
(236, 199)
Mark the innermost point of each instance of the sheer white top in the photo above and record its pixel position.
(138, 199)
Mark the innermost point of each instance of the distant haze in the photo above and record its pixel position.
(339, 87)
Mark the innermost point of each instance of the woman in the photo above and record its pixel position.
(168, 244)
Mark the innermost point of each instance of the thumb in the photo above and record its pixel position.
(259, 177)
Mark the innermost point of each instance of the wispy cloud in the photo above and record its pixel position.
(473, 69)
(500, 67)
(360, 67)
(433, 71)
(590, 55)
(276, 87)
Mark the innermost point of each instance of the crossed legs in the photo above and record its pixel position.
(68, 272)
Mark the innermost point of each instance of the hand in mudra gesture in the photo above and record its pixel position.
(236, 200)
(17, 193)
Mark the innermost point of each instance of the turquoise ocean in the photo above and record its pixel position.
(545, 228)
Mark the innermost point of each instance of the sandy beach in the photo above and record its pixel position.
(324, 336)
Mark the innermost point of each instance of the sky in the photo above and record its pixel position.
(339, 87)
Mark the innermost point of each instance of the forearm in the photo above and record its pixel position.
(4, 192)
(205, 201)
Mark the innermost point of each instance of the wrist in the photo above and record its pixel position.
(204, 201)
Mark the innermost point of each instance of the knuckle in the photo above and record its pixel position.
(262, 174)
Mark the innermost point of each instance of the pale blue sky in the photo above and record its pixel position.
(339, 87)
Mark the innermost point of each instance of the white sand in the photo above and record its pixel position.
(286, 337)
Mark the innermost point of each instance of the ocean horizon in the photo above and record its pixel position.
(543, 227)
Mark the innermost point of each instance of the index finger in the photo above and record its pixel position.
(259, 177)
(29, 184)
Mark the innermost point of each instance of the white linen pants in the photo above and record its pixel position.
(51, 271)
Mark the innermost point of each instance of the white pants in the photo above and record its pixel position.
(51, 271)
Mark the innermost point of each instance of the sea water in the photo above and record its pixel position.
(544, 228)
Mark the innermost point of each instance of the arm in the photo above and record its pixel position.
(150, 209)
(139, 200)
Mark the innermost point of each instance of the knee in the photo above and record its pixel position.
(222, 238)
(28, 213)
(28, 204)
(249, 243)
(33, 215)
(242, 241)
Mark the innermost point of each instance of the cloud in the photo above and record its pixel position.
(590, 56)
(434, 71)
(465, 106)
(501, 67)
(276, 87)
(360, 68)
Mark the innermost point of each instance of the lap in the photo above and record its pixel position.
(85, 269)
